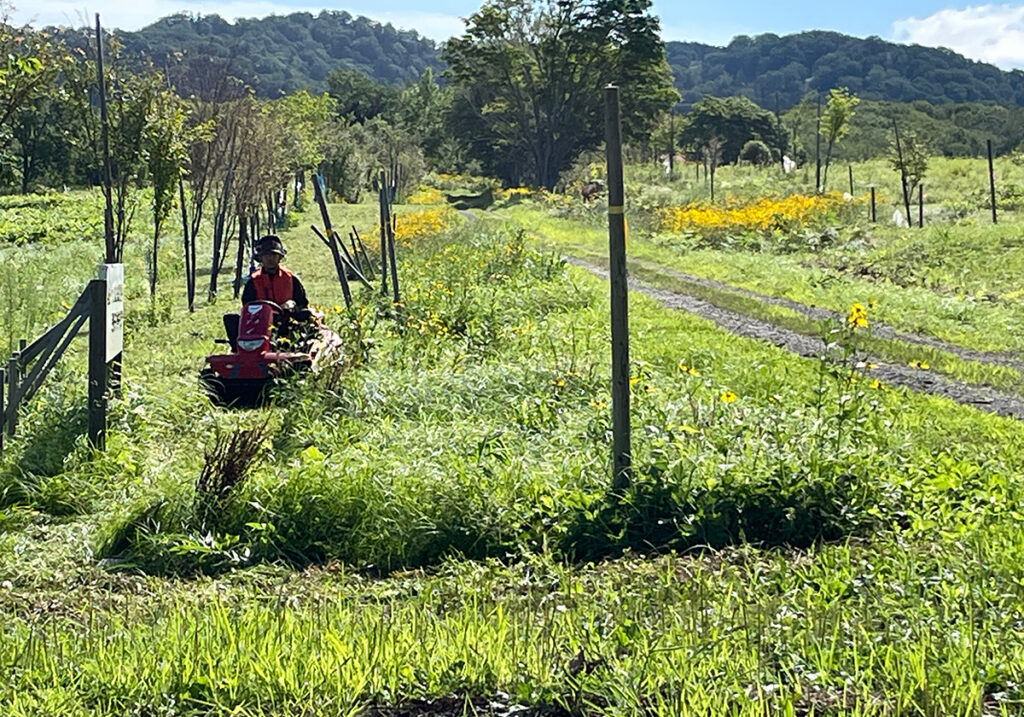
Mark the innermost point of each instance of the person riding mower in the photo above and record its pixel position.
(275, 335)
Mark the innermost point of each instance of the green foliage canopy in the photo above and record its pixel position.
(732, 121)
(528, 76)
(835, 122)
(777, 72)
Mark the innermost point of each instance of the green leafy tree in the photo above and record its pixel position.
(42, 149)
(908, 155)
(302, 120)
(733, 121)
(130, 96)
(348, 160)
(29, 63)
(528, 74)
(360, 97)
(165, 146)
(756, 152)
(422, 112)
(835, 122)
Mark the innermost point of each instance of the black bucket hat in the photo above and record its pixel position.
(269, 244)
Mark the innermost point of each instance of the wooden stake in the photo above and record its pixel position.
(873, 204)
(362, 251)
(920, 205)
(621, 452)
(108, 180)
(991, 181)
(392, 224)
(817, 150)
(382, 199)
(332, 243)
(903, 172)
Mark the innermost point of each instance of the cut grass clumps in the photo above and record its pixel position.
(761, 475)
(474, 425)
(661, 513)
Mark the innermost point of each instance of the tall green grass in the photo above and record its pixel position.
(811, 544)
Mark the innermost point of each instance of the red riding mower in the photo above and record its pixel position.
(258, 338)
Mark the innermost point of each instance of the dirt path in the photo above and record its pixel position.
(981, 397)
(879, 329)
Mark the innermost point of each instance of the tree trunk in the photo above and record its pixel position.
(828, 161)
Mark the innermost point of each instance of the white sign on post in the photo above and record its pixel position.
(114, 276)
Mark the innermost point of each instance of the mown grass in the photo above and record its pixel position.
(809, 543)
(955, 279)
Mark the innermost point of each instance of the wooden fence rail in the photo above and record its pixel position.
(100, 305)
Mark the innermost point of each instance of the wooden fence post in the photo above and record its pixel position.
(621, 475)
(873, 218)
(13, 379)
(98, 363)
(3, 407)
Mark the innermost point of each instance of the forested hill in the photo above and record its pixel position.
(776, 72)
(282, 53)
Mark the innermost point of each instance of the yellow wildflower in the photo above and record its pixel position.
(688, 369)
(728, 397)
(919, 364)
(764, 214)
(858, 316)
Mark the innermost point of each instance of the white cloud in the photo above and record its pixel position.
(139, 13)
(433, 25)
(991, 33)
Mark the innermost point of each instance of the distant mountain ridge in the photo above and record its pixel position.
(777, 72)
(280, 54)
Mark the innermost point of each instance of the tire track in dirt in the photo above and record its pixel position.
(981, 397)
(878, 329)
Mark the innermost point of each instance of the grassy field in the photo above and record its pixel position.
(431, 518)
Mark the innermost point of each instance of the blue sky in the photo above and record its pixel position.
(988, 32)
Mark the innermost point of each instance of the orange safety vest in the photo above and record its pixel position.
(276, 287)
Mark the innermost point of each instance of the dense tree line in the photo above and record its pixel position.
(279, 54)
(777, 72)
(953, 130)
(517, 102)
